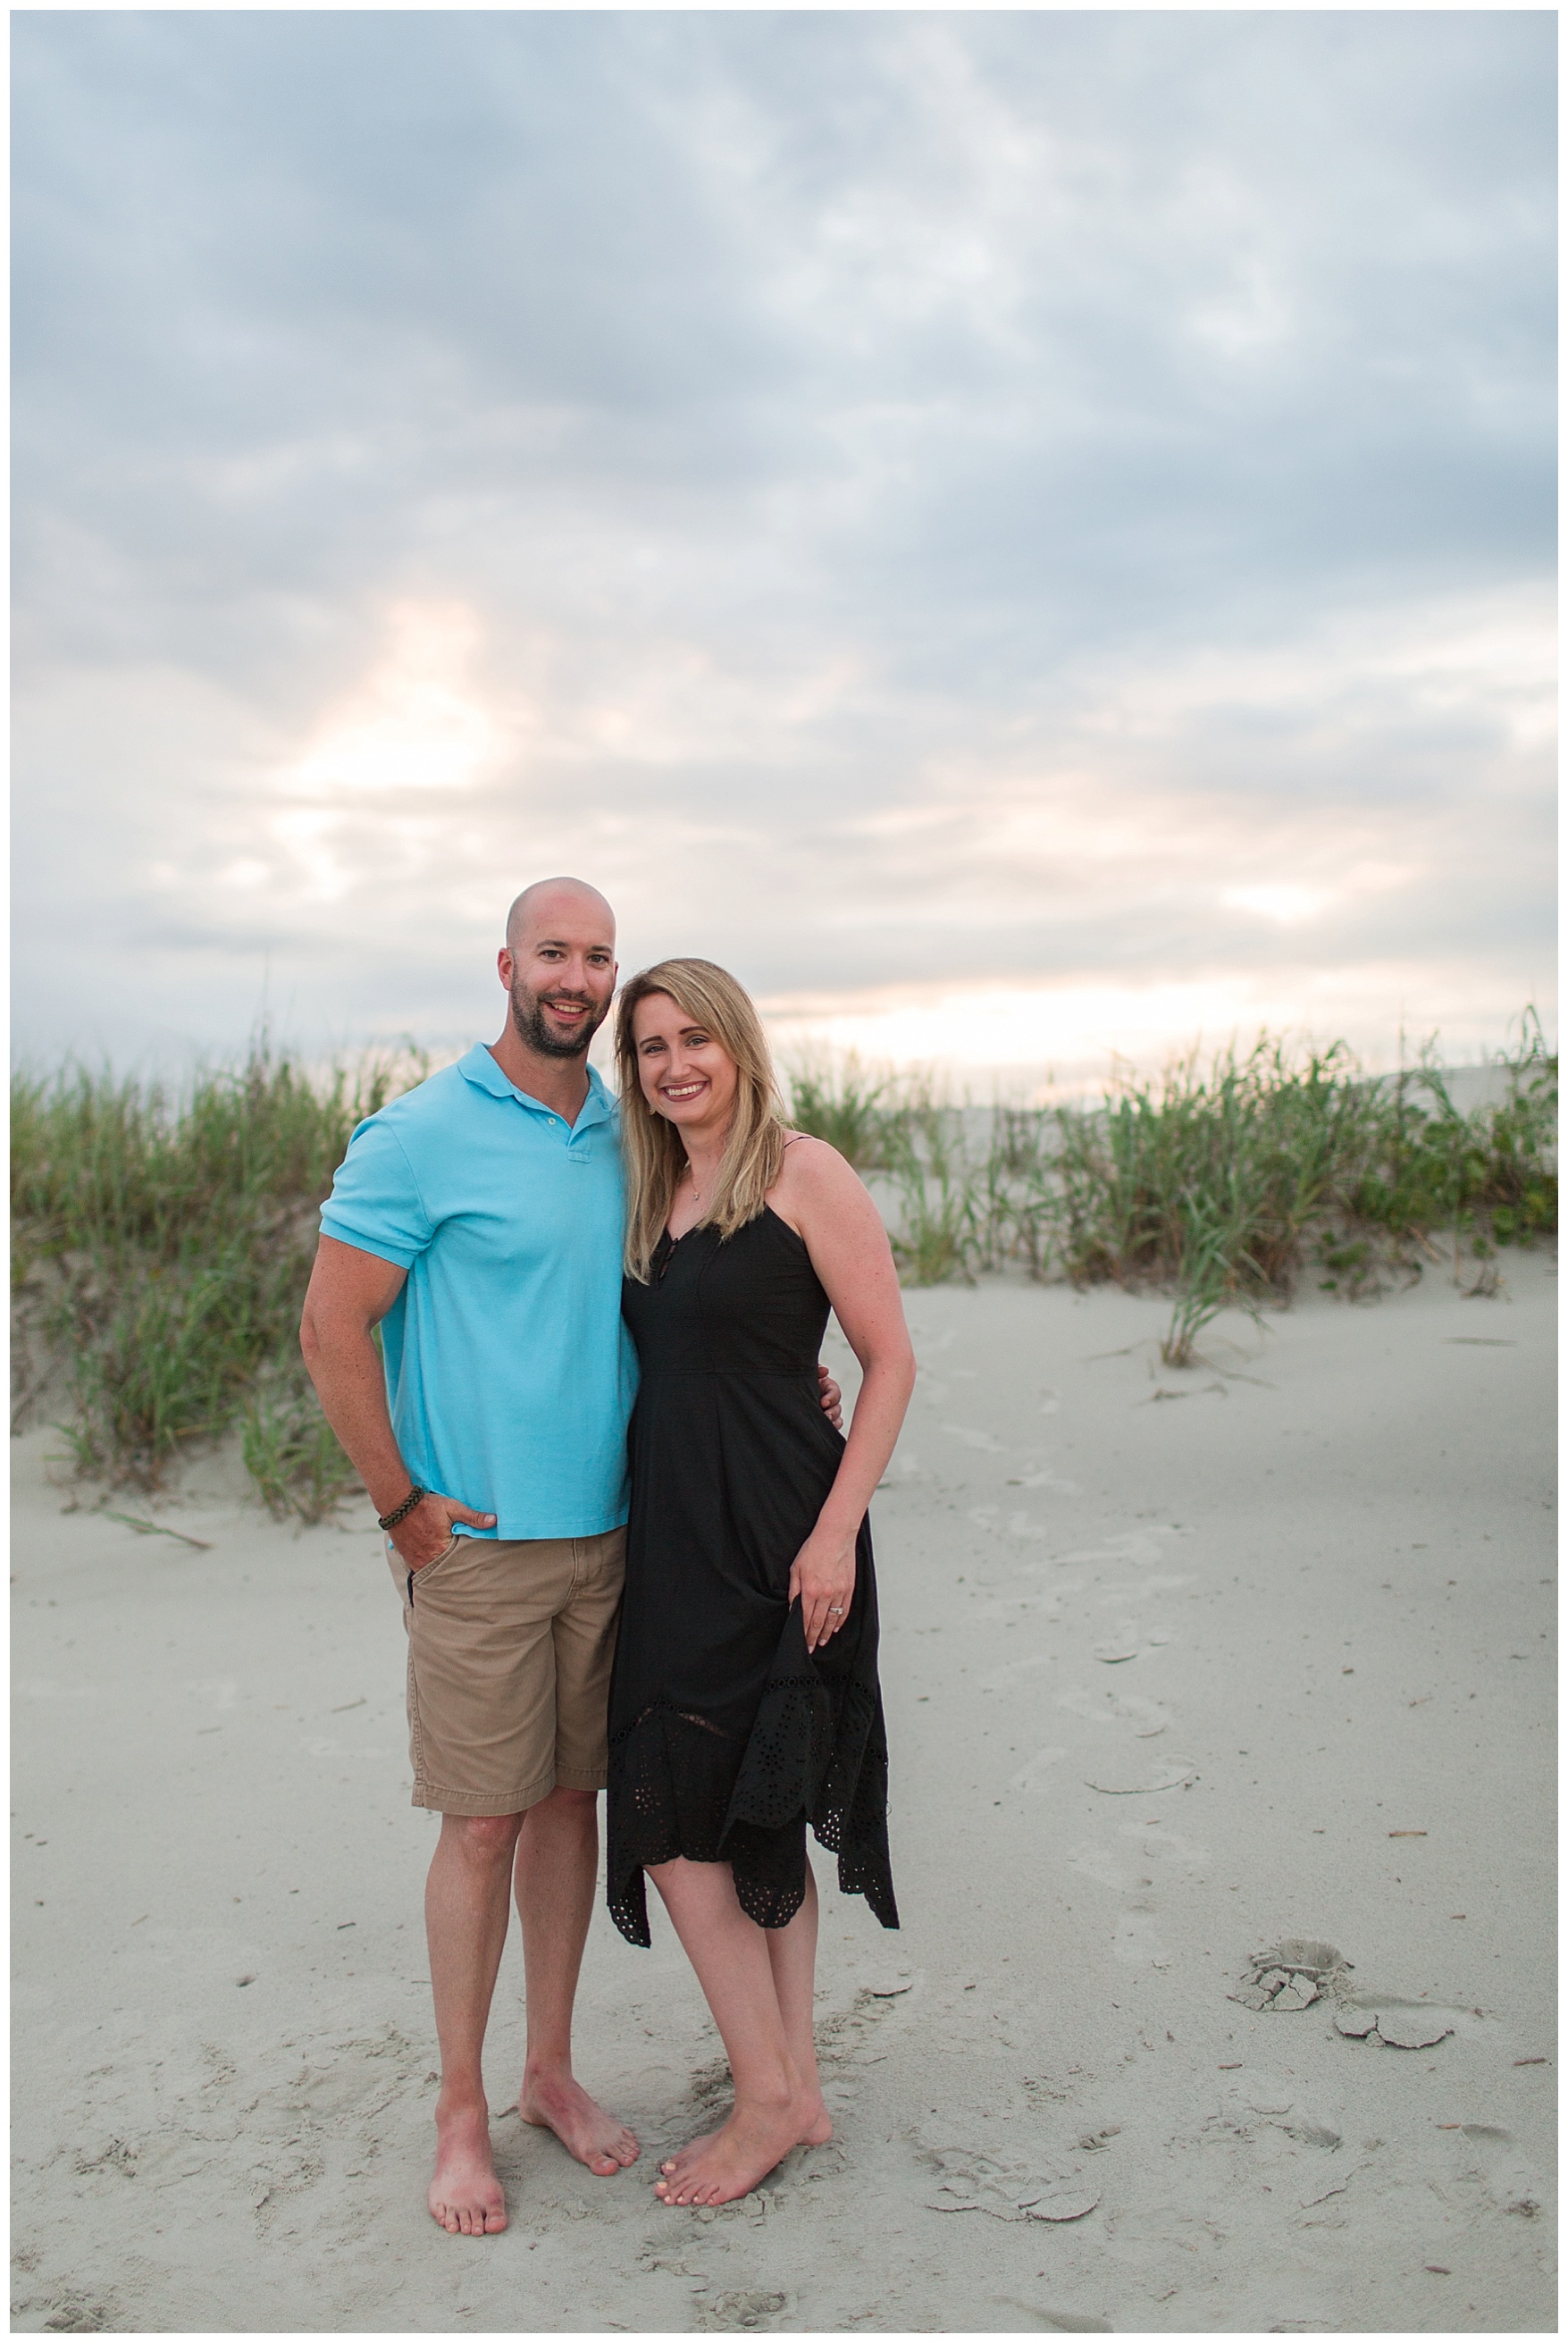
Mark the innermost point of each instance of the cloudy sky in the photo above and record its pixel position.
(1024, 534)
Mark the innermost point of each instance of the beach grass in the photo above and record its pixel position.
(854, 1110)
(1224, 1181)
(161, 1246)
(162, 1239)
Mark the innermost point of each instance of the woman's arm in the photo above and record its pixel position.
(823, 1201)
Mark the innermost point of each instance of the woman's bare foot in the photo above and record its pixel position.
(816, 2130)
(466, 2197)
(585, 2129)
(729, 2162)
(675, 2167)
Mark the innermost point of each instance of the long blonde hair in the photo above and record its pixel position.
(655, 1159)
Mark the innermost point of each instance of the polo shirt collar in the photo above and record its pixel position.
(479, 1067)
(598, 1106)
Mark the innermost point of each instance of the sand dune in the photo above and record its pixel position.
(1181, 1670)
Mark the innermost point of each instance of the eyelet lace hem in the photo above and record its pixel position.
(680, 1787)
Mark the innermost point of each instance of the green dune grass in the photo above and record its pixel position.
(1226, 1182)
(160, 1249)
(161, 1240)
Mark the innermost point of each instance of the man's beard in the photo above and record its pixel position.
(528, 1023)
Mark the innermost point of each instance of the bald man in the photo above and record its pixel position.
(477, 1221)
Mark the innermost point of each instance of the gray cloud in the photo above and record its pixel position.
(904, 500)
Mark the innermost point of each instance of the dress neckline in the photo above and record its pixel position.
(674, 1243)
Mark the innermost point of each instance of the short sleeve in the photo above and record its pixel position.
(375, 1204)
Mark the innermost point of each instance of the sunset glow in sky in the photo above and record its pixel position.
(1029, 537)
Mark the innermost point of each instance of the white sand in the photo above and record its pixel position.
(1334, 1585)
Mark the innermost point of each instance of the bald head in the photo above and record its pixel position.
(559, 965)
(557, 902)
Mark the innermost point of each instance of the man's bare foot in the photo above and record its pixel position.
(730, 2161)
(466, 2197)
(583, 2127)
(816, 2130)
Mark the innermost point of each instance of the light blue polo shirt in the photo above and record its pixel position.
(509, 1373)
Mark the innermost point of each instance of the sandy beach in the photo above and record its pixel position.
(1177, 1666)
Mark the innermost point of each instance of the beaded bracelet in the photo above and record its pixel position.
(400, 1512)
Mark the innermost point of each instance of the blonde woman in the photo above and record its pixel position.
(745, 1701)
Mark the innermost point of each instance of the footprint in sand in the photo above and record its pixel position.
(1388, 2022)
(1284, 2110)
(1260, 2091)
(1098, 1863)
(746, 2309)
(1140, 1546)
(1036, 1775)
(1293, 1974)
(1158, 1843)
(1056, 2322)
(846, 2040)
(1136, 1777)
(1301, 1971)
(1045, 1605)
(1146, 1717)
(1491, 2166)
(967, 2181)
(1135, 1939)
(74, 2316)
(1002, 1679)
(1016, 1526)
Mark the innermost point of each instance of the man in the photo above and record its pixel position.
(478, 1220)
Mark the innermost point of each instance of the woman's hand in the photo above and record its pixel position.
(823, 1576)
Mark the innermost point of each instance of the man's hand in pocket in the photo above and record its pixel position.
(421, 1536)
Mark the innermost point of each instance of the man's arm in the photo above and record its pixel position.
(349, 1293)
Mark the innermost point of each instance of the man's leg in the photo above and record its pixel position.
(557, 1873)
(466, 1909)
(484, 1716)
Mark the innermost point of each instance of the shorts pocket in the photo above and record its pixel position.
(405, 1579)
(435, 1562)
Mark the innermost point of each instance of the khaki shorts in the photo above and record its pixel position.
(510, 1643)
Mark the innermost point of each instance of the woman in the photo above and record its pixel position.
(745, 1700)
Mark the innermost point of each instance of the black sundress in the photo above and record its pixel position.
(726, 1735)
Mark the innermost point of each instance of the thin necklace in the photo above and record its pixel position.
(689, 1173)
